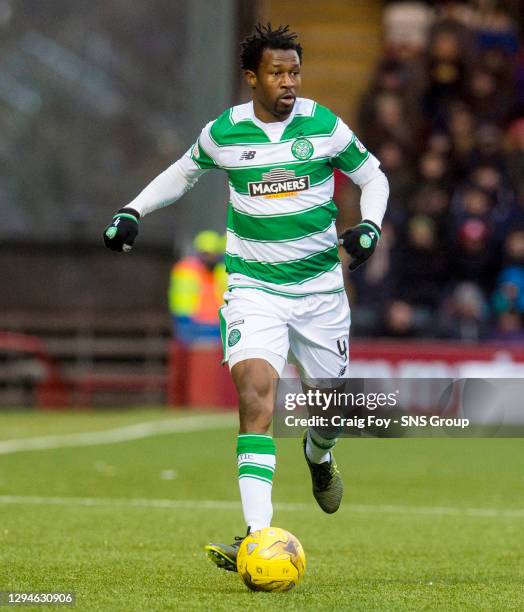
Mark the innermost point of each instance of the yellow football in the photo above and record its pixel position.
(271, 559)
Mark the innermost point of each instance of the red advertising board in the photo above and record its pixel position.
(196, 377)
(410, 359)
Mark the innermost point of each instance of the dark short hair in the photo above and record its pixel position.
(264, 37)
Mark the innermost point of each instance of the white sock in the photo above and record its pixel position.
(318, 448)
(256, 503)
(256, 465)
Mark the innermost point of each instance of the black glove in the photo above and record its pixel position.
(360, 242)
(121, 233)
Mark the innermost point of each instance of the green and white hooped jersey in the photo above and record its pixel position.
(281, 233)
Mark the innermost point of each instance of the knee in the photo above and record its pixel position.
(256, 399)
(254, 382)
(255, 394)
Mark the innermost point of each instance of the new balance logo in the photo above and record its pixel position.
(248, 155)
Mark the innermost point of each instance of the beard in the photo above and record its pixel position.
(281, 109)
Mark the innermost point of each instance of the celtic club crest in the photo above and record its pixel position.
(302, 148)
(365, 241)
(234, 337)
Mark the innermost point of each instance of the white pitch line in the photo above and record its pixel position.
(120, 434)
(208, 504)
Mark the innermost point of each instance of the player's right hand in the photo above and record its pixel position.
(120, 234)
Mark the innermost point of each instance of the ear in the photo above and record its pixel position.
(251, 78)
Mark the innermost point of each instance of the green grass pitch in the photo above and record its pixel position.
(426, 524)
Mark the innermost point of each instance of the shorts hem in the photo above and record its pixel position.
(276, 361)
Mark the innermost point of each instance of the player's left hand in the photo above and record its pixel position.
(121, 233)
(360, 242)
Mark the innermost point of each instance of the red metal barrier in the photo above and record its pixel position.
(197, 378)
(52, 390)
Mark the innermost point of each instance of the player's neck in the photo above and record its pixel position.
(262, 114)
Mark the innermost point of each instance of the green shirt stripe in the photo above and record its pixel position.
(285, 272)
(323, 123)
(225, 132)
(284, 293)
(318, 171)
(281, 228)
(351, 158)
(223, 331)
(201, 158)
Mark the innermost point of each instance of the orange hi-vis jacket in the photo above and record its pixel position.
(195, 291)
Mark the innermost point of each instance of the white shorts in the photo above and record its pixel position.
(313, 330)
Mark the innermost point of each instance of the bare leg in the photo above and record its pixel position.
(254, 380)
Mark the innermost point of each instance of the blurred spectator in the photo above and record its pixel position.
(509, 328)
(433, 170)
(485, 98)
(515, 147)
(489, 179)
(514, 247)
(509, 291)
(394, 77)
(406, 28)
(388, 120)
(519, 83)
(461, 127)
(421, 265)
(472, 256)
(439, 142)
(401, 320)
(196, 290)
(396, 164)
(457, 13)
(431, 201)
(488, 147)
(465, 314)
(447, 71)
(509, 294)
(372, 284)
(498, 30)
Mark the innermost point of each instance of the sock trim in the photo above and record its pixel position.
(262, 445)
(256, 465)
(255, 470)
(254, 435)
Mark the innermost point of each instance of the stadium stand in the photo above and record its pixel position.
(444, 114)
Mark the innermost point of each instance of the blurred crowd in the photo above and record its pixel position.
(445, 115)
